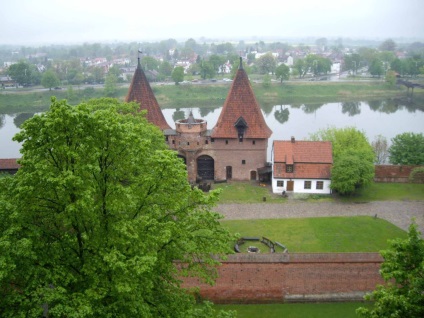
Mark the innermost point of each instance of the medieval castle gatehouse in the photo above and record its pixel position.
(236, 148)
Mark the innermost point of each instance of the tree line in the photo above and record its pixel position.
(67, 65)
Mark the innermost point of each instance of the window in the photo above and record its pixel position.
(212, 140)
(226, 142)
(243, 162)
(320, 185)
(253, 142)
(289, 168)
(206, 141)
(280, 183)
(307, 184)
(173, 141)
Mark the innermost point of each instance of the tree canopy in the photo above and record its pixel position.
(178, 74)
(98, 214)
(282, 72)
(49, 79)
(407, 149)
(353, 158)
(403, 271)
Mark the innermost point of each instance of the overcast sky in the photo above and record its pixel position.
(77, 21)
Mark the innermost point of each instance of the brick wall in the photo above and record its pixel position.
(262, 278)
(393, 173)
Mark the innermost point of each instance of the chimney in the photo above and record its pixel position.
(293, 140)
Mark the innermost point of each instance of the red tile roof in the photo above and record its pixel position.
(9, 164)
(302, 151)
(141, 92)
(241, 102)
(310, 159)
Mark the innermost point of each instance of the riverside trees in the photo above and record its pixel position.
(353, 158)
(92, 223)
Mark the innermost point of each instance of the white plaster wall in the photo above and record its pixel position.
(299, 186)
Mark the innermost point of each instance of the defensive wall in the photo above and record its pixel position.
(393, 173)
(292, 277)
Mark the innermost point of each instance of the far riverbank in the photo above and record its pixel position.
(213, 95)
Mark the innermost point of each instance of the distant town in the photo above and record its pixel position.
(58, 66)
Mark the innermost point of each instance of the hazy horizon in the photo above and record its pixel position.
(27, 22)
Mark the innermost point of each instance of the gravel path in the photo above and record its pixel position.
(399, 213)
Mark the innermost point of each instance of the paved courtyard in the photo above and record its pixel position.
(400, 213)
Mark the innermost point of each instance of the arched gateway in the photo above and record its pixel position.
(205, 167)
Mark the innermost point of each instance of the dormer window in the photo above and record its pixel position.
(241, 127)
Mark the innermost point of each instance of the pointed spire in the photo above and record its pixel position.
(241, 63)
(141, 92)
(241, 103)
(190, 119)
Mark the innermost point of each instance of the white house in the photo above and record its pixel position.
(301, 166)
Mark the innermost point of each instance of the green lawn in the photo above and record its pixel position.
(253, 192)
(327, 234)
(324, 310)
(246, 192)
(388, 192)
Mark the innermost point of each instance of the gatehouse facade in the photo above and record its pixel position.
(235, 149)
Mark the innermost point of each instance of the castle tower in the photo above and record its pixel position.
(141, 92)
(240, 136)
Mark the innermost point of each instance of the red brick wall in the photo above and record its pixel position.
(393, 173)
(293, 277)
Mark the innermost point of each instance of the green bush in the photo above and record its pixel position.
(417, 175)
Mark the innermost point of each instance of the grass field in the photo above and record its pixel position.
(388, 192)
(326, 235)
(252, 192)
(324, 310)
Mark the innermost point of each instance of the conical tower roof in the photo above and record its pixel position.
(141, 92)
(241, 104)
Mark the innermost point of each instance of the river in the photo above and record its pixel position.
(385, 117)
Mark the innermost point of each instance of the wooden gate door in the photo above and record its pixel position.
(229, 173)
(290, 185)
(205, 167)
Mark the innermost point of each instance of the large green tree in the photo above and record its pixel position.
(376, 68)
(353, 158)
(282, 72)
(49, 79)
(403, 271)
(24, 73)
(178, 74)
(407, 149)
(98, 214)
(266, 64)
